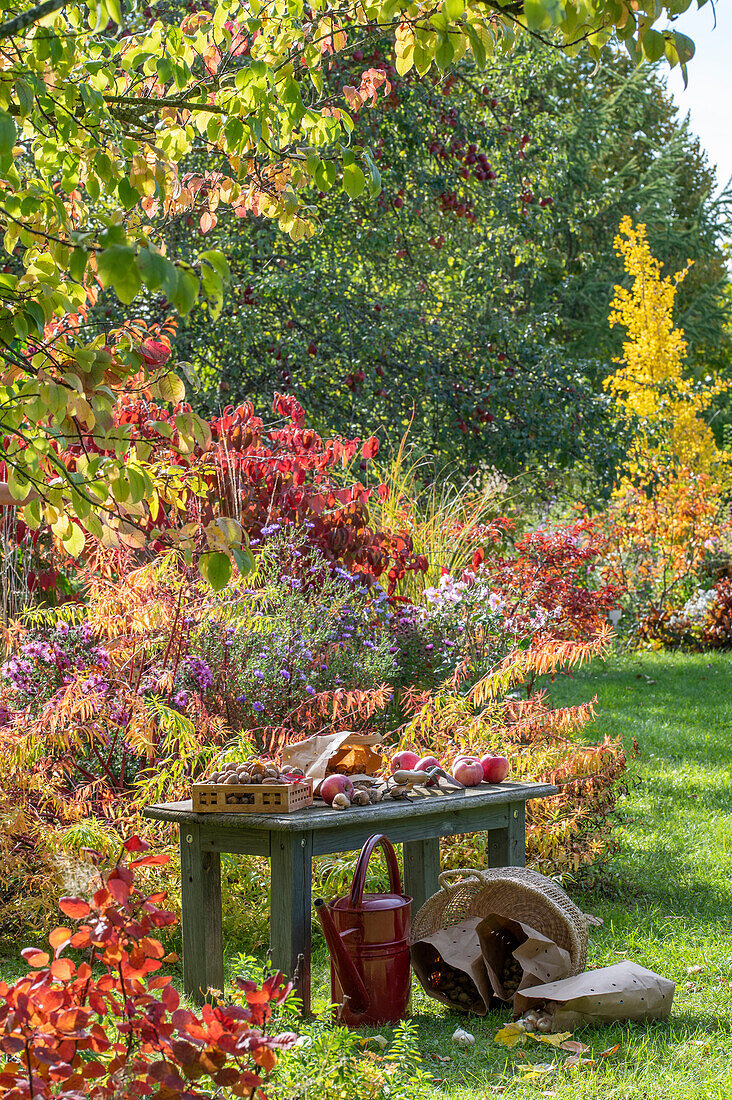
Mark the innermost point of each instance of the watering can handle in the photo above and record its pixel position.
(359, 877)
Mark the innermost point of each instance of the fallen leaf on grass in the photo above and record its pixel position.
(537, 1069)
(610, 1051)
(553, 1040)
(509, 1035)
(694, 969)
(574, 1047)
(440, 1058)
(575, 1060)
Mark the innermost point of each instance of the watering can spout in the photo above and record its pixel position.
(350, 979)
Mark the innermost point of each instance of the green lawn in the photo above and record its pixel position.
(666, 902)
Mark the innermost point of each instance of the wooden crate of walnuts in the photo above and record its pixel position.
(252, 787)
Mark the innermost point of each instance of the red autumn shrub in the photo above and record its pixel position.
(268, 475)
(552, 578)
(112, 1025)
(717, 630)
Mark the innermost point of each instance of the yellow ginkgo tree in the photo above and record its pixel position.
(665, 405)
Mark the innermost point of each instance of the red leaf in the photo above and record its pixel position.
(35, 957)
(62, 969)
(135, 844)
(370, 448)
(154, 352)
(74, 907)
(59, 938)
(151, 861)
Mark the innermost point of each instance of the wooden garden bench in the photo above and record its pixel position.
(290, 841)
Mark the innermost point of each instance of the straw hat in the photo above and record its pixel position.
(513, 892)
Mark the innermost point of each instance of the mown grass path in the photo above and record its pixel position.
(666, 899)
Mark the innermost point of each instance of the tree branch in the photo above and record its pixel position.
(27, 18)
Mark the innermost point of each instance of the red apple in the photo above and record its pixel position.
(470, 759)
(495, 768)
(425, 764)
(333, 785)
(406, 759)
(468, 772)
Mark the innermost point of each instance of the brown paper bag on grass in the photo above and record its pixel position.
(625, 991)
(514, 951)
(449, 965)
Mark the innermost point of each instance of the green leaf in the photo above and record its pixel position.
(75, 542)
(129, 196)
(8, 133)
(216, 569)
(117, 267)
(170, 388)
(654, 45)
(685, 47)
(154, 268)
(186, 292)
(354, 180)
(77, 264)
(244, 561)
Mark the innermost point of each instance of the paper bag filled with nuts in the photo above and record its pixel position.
(625, 991)
(450, 967)
(516, 955)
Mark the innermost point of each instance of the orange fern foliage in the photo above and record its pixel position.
(568, 831)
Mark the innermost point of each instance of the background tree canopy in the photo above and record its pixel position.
(471, 298)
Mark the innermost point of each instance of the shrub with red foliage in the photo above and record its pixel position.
(552, 573)
(112, 1025)
(717, 631)
(262, 475)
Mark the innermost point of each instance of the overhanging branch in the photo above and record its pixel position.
(27, 18)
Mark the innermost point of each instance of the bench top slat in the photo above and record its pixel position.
(314, 818)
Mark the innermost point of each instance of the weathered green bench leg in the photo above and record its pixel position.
(291, 859)
(421, 868)
(507, 847)
(203, 948)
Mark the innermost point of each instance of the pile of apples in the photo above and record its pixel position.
(468, 770)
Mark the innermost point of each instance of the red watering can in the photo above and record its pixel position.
(368, 940)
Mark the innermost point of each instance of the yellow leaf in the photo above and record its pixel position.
(552, 1040)
(510, 1035)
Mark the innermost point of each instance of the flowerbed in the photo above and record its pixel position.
(124, 700)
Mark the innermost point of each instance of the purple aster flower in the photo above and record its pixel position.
(258, 674)
(270, 530)
(310, 690)
(181, 699)
(258, 706)
(284, 674)
(101, 656)
(62, 628)
(199, 672)
(95, 682)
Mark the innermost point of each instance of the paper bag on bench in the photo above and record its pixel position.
(354, 754)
